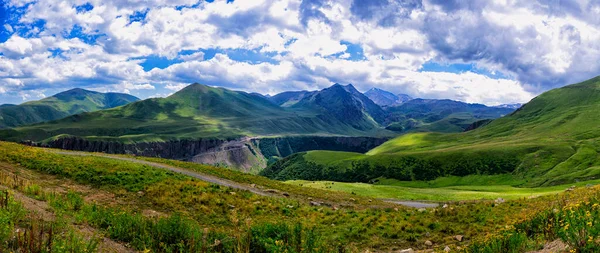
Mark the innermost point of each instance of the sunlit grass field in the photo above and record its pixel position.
(420, 191)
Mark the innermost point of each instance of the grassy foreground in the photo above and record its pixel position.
(190, 214)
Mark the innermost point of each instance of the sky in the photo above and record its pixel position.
(480, 51)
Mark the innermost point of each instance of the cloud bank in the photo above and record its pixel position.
(513, 50)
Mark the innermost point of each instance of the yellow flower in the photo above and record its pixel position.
(589, 223)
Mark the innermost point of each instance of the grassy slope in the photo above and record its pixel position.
(230, 216)
(61, 105)
(197, 111)
(551, 140)
(189, 208)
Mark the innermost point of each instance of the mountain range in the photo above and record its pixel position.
(551, 140)
(59, 106)
(200, 111)
(216, 125)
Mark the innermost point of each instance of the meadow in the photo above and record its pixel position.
(422, 191)
(147, 208)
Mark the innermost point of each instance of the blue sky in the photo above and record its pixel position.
(488, 52)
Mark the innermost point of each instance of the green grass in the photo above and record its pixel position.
(347, 220)
(61, 105)
(424, 191)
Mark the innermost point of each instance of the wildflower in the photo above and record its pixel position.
(589, 223)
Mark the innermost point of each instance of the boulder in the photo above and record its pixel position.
(428, 243)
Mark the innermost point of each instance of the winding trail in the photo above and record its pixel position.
(225, 182)
(194, 174)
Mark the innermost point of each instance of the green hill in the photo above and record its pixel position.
(59, 106)
(550, 140)
(198, 111)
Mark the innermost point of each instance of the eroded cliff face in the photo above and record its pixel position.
(246, 154)
(285, 146)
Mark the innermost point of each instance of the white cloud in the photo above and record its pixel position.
(541, 45)
(197, 56)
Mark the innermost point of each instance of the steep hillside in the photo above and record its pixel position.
(59, 106)
(345, 104)
(548, 141)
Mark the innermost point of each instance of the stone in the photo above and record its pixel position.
(499, 200)
(353, 200)
(589, 185)
(232, 193)
(253, 185)
(447, 249)
(458, 238)
(315, 203)
(445, 206)
(310, 198)
(407, 251)
(335, 208)
(289, 206)
(428, 243)
(286, 194)
(421, 210)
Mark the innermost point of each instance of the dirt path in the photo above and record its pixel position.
(43, 211)
(194, 174)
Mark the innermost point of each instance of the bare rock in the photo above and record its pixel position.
(458, 238)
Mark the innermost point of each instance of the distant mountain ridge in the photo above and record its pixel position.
(386, 98)
(509, 106)
(61, 105)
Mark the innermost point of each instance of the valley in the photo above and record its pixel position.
(319, 171)
(304, 126)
